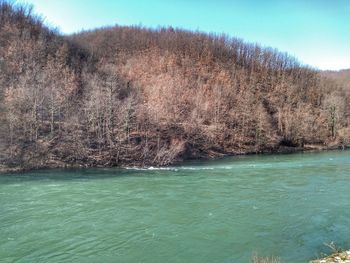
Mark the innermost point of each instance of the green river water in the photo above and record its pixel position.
(208, 211)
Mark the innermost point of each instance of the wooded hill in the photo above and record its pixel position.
(341, 77)
(137, 96)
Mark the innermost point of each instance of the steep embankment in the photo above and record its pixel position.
(135, 96)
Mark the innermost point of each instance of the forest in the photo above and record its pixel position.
(134, 96)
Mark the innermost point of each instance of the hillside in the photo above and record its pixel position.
(136, 96)
(342, 77)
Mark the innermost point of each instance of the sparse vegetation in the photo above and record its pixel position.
(257, 259)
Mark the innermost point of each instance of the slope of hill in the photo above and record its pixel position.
(342, 77)
(136, 96)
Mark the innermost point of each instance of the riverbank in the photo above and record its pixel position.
(4, 169)
(55, 164)
(340, 257)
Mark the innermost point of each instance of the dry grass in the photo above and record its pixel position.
(257, 259)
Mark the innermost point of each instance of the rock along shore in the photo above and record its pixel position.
(341, 257)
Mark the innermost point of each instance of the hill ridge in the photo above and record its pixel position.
(134, 96)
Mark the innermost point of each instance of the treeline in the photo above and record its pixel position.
(137, 96)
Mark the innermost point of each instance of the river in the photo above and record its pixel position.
(206, 211)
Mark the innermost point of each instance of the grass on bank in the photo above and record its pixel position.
(257, 259)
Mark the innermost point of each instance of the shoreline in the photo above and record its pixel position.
(281, 150)
(338, 257)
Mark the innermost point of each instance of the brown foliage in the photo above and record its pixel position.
(130, 95)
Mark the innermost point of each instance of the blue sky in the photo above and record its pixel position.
(317, 32)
